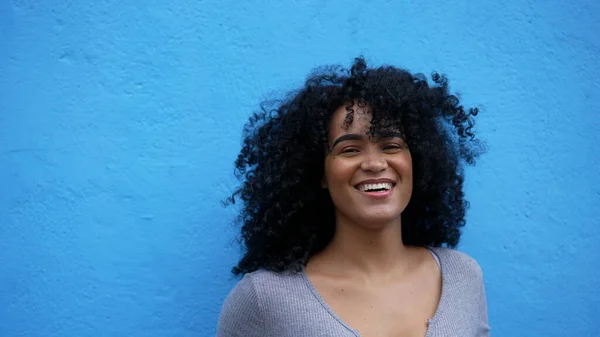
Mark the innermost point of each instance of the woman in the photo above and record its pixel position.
(351, 186)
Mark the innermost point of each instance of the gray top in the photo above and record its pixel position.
(271, 304)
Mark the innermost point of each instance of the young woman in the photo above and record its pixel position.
(351, 186)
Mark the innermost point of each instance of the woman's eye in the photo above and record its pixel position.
(349, 150)
(392, 147)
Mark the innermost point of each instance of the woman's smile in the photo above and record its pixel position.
(376, 188)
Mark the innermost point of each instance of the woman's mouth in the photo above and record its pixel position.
(377, 190)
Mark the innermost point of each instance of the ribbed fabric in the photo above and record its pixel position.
(271, 304)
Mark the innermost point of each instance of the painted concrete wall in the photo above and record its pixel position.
(120, 121)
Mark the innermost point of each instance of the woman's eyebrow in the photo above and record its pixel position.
(354, 136)
(350, 136)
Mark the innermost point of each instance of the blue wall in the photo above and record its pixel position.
(120, 121)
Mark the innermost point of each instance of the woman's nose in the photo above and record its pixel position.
(374, 163)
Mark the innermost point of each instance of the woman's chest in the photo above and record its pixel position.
(395, 311)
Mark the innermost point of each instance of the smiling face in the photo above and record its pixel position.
(369, 180)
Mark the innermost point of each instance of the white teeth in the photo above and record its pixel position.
(371, 187)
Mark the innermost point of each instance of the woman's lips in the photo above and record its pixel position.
(377, 195)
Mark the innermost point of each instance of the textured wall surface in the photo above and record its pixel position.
(120, 121)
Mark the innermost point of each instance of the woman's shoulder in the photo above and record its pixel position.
(457, 263)
(268, 281)
(256, 286)
(253, 301)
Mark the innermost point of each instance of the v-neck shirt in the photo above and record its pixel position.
(286, 304)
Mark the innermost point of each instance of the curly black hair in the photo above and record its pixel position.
(287, 217)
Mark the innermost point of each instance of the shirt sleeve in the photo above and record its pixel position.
(241, 314)
(483, 324)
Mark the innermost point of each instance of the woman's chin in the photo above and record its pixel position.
(379, 220)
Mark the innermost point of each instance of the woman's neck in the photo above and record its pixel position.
(366, 252)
